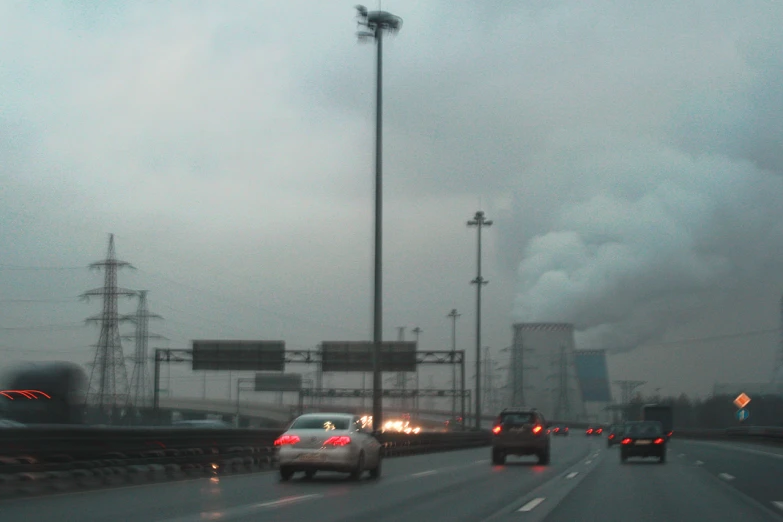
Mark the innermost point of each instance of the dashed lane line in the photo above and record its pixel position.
(240, 511)
(726, 476)
(778, 504)
(530, 506)
(699, 463)
(572, 474)
(425, 473)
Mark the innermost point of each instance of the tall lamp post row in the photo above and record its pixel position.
(372, 27)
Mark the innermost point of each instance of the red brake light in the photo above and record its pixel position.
(286, 439)
(589, 430)
(557, 429)
(497, 429)
(537, 429)
(611, 435)
(659, 441)
(599, 430)
(342, 440)
(626, 441)
(670, 433)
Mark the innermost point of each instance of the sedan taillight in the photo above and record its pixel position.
(497, 429)
(286, 439)
(659, 441)
(537, 429)
(342, 440)
(626, 441)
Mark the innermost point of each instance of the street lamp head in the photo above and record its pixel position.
(362, 11)
(488, 222)
(384, 21)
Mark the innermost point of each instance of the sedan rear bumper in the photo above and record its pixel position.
(337, 459)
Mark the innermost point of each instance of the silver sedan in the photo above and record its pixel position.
(329, 442)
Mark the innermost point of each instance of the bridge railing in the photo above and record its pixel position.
(38, 459)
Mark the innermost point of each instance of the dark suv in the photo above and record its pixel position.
(520, 432)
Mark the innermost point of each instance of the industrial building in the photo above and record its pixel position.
(543, 372)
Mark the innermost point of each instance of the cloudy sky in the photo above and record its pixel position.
(629, 154)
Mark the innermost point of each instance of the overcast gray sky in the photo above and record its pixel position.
(628, 152)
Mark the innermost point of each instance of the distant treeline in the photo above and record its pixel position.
(714, 412)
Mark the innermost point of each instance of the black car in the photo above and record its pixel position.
(520, 432)
(615, 434)
(643, 439)
(559, 429)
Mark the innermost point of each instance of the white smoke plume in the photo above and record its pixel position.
(640, 255)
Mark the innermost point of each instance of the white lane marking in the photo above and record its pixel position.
(681, 455)
(699, 463)
(530, 506)
(239, 511)
(778, 504)
(425, 473)
(572, 474)
(286, 500)
(588, 462)
(726, 476)
(481, 461)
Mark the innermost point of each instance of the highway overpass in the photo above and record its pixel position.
(268, 414)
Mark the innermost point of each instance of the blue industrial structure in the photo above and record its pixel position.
(593, 375)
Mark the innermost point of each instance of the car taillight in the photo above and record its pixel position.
(589, 431)
(670, 433)
(497, 429)
(557, 429)
(338, 441)
(626, 441)
(286, 439)
(659, 441)
(611, 435)
(599, 430)
(537, 429)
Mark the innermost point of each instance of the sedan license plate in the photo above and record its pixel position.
(643, 442)
(310, 457)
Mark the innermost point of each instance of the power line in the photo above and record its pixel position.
(750, 333)
(246, 304)
(61, 326)
(63, 300)
(41, 268)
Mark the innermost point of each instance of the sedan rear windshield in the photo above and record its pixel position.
(321, 423)
(644, 430)
(517, 419)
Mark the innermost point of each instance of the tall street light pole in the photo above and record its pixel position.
(417, 332)
(453, 315)
(372, 26)
(479, 221)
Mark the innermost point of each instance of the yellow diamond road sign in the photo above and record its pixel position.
(741, 401)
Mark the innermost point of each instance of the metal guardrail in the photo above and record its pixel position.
(767, 434)
(40, 459)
